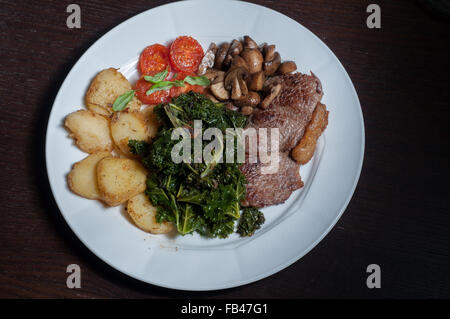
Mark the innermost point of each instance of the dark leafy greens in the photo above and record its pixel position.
(196, 197)
(250, 221)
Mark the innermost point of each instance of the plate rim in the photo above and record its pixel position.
(248, 280)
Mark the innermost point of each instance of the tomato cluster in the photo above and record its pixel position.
(181, 59)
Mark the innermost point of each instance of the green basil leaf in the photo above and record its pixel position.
(197, 80)
(178, 83)
(160, 86)
(164, 85)
(122, 101)
(158, 77)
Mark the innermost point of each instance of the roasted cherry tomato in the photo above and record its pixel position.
(185, 54)
(181, 75)
(154, 59)
(143, 86)
(176, 90)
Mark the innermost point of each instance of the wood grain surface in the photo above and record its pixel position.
(399, 216)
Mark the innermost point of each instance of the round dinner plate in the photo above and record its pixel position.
(291, 230)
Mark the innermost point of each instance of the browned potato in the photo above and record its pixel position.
(304, 151)
(89, 130)
(119, 179)
(127, 126)
(151, 120)
(104, 90)
(143, 214)
(99, 110)
(82, 179)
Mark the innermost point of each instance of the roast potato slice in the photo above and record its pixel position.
(119, 179)
(89, 130)
(304, 151)
(82, 179)
(99, 110)
(105, 88)
(151, 120)
(127, 126)
(143, 214)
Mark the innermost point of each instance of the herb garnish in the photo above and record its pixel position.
(157, 77)
(160, 85)
(122, 101)
(197, 80)
(163, 85)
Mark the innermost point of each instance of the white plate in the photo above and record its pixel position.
(291, 229)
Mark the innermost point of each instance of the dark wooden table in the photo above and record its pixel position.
(399, 216)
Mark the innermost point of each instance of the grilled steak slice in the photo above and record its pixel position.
(270, 189)
(292, 109)
(290, 112)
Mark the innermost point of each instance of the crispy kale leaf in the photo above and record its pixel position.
(140, 148)
(251, 220)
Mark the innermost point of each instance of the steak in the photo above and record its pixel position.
(290, 112)
(270, 189)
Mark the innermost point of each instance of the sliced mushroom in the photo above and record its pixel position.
(254, 60)
(219, 91)
(238, 61)
(238, 73)
(221, 55)
(211, 97)
(227, 61)
(269, 52)
(251, 99)
(257, 81)
(213, 48)
(270, 67)
(215, 76)
(249, 43)
(274, 91)
(235, 48)
(231, 107)
(247, 110)
(287, 67)
(271, 82)
(236, 92)
(262, 47)
(235, 81)
(243, 86)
